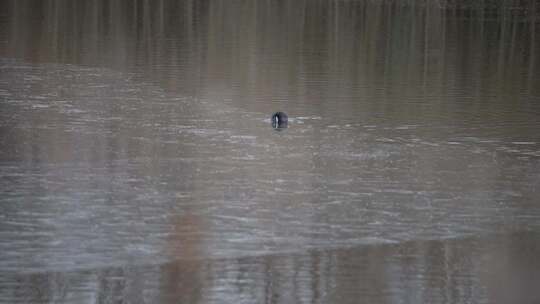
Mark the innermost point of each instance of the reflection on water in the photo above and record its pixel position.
(138, 160)
(453, 271)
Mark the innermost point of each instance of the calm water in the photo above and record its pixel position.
(138, 163)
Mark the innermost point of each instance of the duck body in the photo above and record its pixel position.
(279, 120)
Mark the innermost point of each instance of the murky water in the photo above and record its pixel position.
(138, 162)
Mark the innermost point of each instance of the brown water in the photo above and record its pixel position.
(138, 163)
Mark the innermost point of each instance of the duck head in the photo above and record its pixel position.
(279, 120)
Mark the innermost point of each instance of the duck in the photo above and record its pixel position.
(279, 120)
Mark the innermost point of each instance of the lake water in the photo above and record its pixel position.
(138, 163)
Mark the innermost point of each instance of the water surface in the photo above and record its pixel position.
(138, 162)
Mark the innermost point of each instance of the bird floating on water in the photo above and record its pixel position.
(279, 120)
